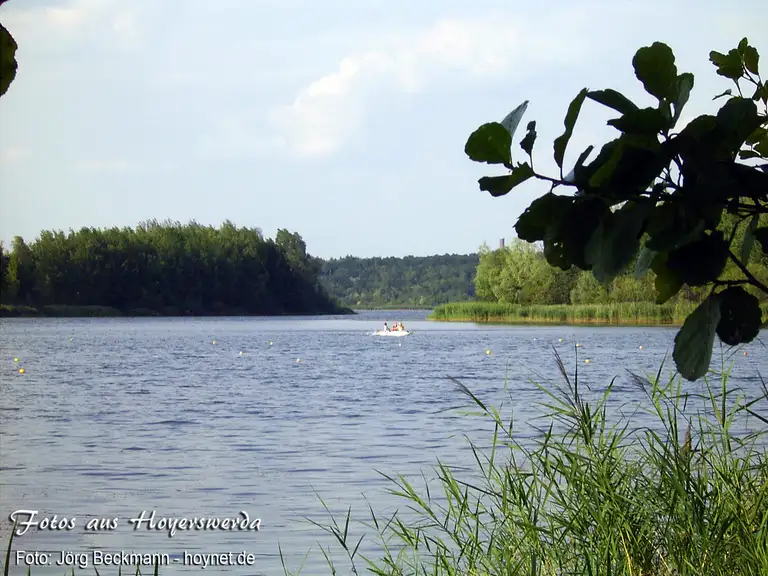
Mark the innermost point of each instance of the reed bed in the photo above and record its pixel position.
(592, 495)
(624, 313)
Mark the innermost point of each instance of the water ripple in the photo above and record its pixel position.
(149, 414)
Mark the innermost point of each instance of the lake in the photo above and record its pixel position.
(208, 417)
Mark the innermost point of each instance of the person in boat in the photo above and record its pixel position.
(401, 327)
(386, 328)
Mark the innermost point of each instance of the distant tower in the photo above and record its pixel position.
(501, 244)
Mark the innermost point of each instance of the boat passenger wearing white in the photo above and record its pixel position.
(386, 328)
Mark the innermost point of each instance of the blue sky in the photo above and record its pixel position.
(343, 121)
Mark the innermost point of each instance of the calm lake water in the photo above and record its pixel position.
(113, 417)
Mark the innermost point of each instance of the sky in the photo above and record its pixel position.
(343, 121)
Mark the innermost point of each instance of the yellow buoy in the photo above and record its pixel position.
(270, 342)
(214, 342)
(298, 360)
(15, 359)
(21, 370)
(241, 352)
(488, 352)
(586, 361)
(559, 339)
(578, 345)
(641, 347)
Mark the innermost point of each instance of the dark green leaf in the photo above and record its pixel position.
(512, 120)
(728, 65)
(667, 282)
(762, 147)
(693, 343)
(606, 169)
(746, 180)
(644, 262)
(743, 44)
(579, 164)
(8, 64)
(613, 99)
(670, 227)
(757, 135)
(614, 243)
(736, 121)
(702, 261)
(490, 143)
(751, 59)
(566, 239)
(561, 142)
(645, 121)
(655, 68)
(749, 239)
(761, 235)
(532, 224)
(684, 87)
(500, 185)
(582, 176)
(742, 113)
(637, 169)
(496, 185)
(724, 94)
(699, 127)
(761, 92)
(530, 137)
(741, 316)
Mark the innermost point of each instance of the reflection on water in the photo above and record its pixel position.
(118, 417)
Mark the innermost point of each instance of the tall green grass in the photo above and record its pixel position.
(625, 313)
(593, 494)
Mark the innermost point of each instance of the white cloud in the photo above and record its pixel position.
(329, 110)
(126, 26)
(58, 20)
(234, 134)
(72, 22)
(116, 165)
(14, 154)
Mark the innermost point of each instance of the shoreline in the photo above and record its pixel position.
(389, 307)
(517, 321)
(72, 311)
(627, 314)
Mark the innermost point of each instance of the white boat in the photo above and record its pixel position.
(396, 333)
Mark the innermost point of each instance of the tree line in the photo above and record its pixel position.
(175, 269)
(412, 281)
(166, 268)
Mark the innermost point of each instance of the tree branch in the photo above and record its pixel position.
(754, 281)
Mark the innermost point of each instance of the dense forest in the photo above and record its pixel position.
(411, 281)
(520, 274)
(166, 268)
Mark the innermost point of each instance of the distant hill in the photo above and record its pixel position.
(410, 281)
